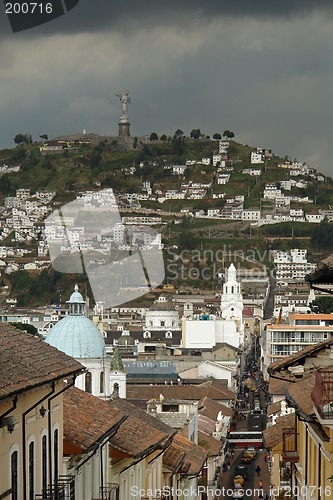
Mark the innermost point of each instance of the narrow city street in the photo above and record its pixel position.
(245, 472)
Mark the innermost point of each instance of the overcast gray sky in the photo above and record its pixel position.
(263, 69)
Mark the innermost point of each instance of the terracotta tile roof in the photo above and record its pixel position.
(187, 392)
(88, 419)
(300, 392)
(218, 387)
(211, 444)
(141, 432)
(298, 356)
(26, 362)
(273, 435)
(191, 455)
(206, 424)
(173, 458)
(211, 408)
(277, 386)
(274, 408)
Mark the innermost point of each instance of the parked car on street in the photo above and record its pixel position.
(238, 480)
(242, 470)
(248, 455)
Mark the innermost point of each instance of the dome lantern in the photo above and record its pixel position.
(76, 303)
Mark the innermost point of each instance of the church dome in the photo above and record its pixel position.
(75, 334)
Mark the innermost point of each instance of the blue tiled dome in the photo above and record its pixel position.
(78, 337)
(75, 334)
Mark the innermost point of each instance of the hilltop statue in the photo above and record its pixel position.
(124, 125)
(125, 100)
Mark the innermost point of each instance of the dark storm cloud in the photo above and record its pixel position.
(96, 15)
(261, 69)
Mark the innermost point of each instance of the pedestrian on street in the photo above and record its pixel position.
(260, 484)
(258, 470)
(265, 456)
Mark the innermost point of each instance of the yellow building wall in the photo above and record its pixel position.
(320, 485)
(140, 479)
(275, 471)
(36, 426)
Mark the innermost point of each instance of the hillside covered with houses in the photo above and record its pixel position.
(197, 193)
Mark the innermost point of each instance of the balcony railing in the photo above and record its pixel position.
(109, 492)
(62, 489)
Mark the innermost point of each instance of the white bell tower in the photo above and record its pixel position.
(231, 299)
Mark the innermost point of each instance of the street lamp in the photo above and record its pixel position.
(8, 422)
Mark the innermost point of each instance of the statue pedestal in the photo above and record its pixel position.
(123, 130)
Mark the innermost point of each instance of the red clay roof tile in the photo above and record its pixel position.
(273, 435)
(193, 460)
(209, 443)
(26, 361)
(140, 432)
(88, 419)
(215, 391)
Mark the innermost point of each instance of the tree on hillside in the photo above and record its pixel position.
(22, 138)
(195, 133)
(44, 136)
(228, 134)
(179, 133)
(217, 136)
(322, 305)
(153, 136)
(163, 137)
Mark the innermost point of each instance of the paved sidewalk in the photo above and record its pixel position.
(265, 476)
